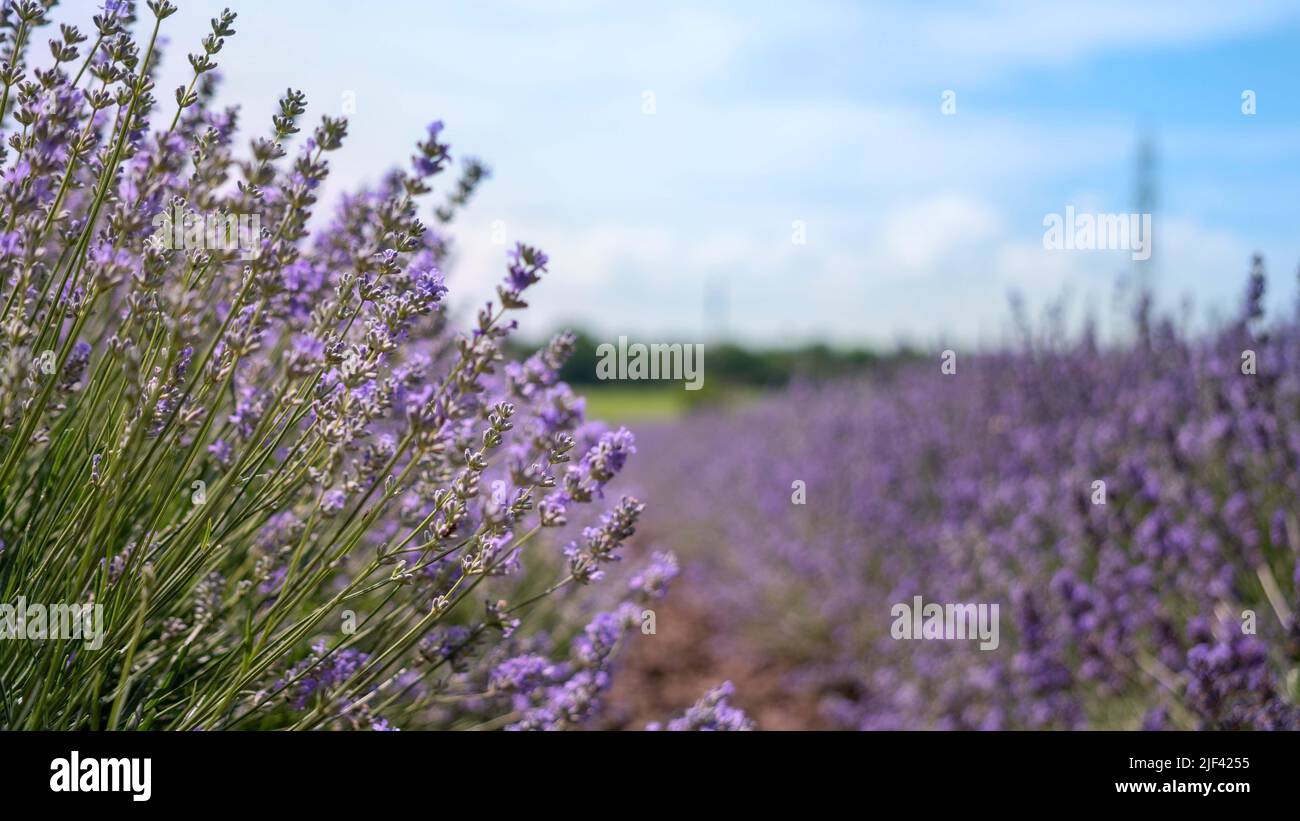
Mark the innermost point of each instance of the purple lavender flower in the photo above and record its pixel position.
(652, 581)
(712, 712)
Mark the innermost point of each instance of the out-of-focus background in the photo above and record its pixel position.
(665, 154)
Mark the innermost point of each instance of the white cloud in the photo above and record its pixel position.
(918, 235)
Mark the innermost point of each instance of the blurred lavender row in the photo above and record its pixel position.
(1170, 605)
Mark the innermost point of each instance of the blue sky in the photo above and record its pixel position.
(917, 223)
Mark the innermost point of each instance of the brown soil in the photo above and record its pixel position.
(659, 676)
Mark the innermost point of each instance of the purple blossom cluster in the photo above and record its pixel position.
(713, 712)
(303, 497)
(1131, 508)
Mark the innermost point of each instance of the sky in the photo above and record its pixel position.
(778, 173)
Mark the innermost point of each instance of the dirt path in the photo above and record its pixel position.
(660, 675)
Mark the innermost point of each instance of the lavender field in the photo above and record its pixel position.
(1132, 510)
(914, 403)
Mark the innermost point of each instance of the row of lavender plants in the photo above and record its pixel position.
(287, 491)
(1132, 509)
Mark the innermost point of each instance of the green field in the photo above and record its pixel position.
(620, 404)
(616, 404)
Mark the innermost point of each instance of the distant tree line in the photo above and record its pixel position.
(741, 366)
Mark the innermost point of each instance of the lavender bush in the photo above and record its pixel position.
(294, 496)
(1166, 598)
